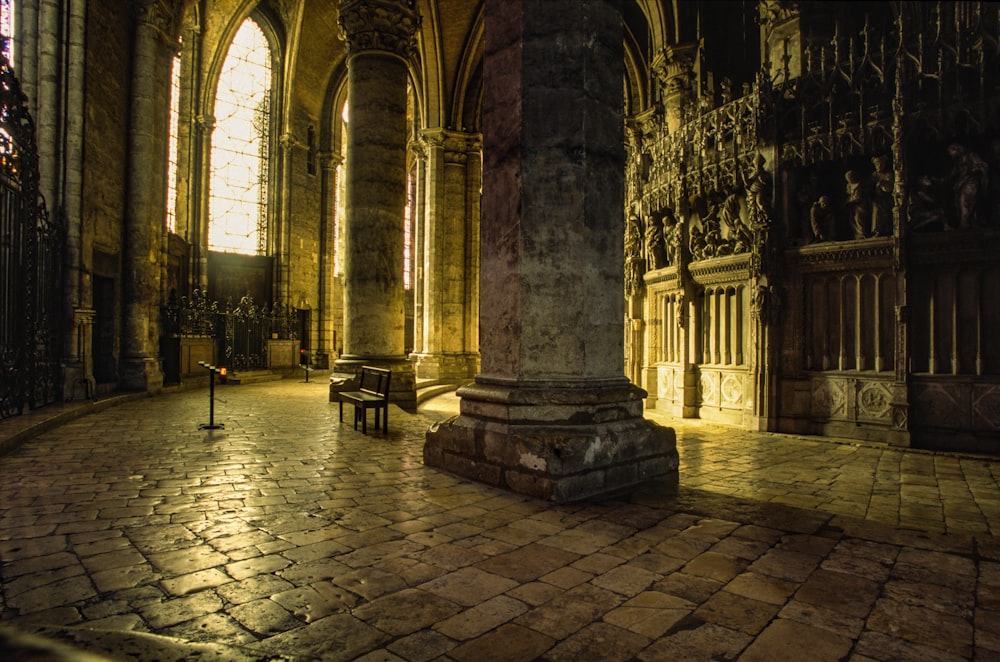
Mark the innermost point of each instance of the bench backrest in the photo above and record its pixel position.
(375, 381)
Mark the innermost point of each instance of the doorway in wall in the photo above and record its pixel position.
(104, 354)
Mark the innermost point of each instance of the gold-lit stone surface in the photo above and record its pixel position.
(290, 534)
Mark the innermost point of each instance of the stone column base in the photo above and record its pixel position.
(582, 443)
(455, 368)
(141, 374)
(77, 384)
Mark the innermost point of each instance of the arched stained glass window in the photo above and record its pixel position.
(241, 146)
(7, 28)
(175, 92)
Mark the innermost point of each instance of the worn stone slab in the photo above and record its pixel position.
(319, 600)
(528, 563)
(840, 592)
(762, 587)
(264, 617)
(570, 611)
(627, 580)
(468, 586)
(190, 559)
(599, 641)
(789, 640)
(508, 643)
(903, 621)
(482, 618)
(406, 611)
(736, 612)
(650, 614)
(696, 641)
(336, 637)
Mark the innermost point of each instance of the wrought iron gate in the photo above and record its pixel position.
(247, 329)
(241, 332)
(30, 264)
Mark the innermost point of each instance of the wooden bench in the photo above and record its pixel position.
(372, 393)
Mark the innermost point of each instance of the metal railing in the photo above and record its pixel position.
(242, 330)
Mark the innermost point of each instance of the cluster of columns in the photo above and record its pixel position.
(449, 176)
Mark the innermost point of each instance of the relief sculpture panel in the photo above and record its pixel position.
(937, 405)
(873, 402)
(986, 407)
(829, 398)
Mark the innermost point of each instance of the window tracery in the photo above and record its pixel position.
(238, 191)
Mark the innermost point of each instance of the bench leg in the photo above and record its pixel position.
(364, 420)
(341, 403)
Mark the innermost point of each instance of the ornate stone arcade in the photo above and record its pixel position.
(819, 254)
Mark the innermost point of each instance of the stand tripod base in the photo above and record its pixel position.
(211, 426)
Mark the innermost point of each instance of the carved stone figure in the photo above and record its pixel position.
(715, 245)
(923, 210)
(882, 187)
(857, 204)
(725, 91)
(633, 255)
(821, 219)
(759, 196)
(656, 253)
(672, 237)
(697, 243)
(969, 179)
(633, 240)
(707, 240)
(740, 236)
(806, 195)
(765, 304)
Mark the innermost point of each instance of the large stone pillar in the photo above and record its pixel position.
(447, 353)
(379, 37)
(551, 414)
(145, 206)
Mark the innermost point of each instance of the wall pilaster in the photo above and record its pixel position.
(447, 352)
(326, 345)
(204, 125)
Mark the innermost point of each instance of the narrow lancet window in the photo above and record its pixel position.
(241, 146)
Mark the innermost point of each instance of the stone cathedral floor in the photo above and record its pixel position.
(134, 535)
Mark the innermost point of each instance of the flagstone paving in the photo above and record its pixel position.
(133, 534)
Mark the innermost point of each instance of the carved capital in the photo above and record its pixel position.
(419, 148)
(674, 68)
(330, 160)
(456, 146)
(205, 124)
(158, 16)
(287, 141)
(379, 25)
(776, 12)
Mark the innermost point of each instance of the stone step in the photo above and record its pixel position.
(429, 391)
(252, 377)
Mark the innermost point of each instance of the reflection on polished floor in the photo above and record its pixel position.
(131, 533)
